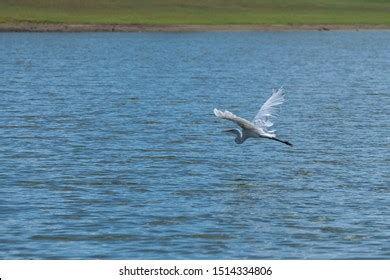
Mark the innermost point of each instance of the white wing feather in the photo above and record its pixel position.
(246, 125)
(268, 110)
(232, 117)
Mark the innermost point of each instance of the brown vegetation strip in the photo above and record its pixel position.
(53, 27)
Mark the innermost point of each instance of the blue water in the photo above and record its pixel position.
(109, 148)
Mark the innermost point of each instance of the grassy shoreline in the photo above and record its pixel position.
(60, 27)
(202, 14)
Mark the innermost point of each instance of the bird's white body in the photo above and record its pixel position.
(258, 127)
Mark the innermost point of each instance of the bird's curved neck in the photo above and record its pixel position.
(239, 139)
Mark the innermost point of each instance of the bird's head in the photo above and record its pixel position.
(233, 131)
(236, 132)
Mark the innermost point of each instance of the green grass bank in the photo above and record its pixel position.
(200, 12)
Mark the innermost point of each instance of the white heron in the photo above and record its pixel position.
(262, 121)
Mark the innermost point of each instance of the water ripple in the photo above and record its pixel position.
(110, 149)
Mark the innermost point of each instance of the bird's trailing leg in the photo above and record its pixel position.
(281, 141)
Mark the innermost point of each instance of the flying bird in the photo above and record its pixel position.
(258, 128)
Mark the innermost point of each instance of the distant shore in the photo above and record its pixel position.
(60, 27)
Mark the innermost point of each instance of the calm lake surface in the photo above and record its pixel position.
(109, 147)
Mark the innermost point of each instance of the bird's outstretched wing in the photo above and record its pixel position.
(236, 119)
(268, 110)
